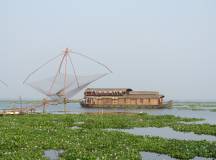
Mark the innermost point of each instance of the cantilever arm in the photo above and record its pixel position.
(41, 66)
(80, 54)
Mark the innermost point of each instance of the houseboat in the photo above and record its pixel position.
(122, 97)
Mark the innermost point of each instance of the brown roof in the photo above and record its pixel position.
(107, 89)
(144, 96)
(143, 93)
(132, 94)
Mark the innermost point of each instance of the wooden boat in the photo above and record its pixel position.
(123, 98)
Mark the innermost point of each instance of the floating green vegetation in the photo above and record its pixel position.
(213, 110)
(196, 128)
(196, 106)
(145, 120)
(28, 136)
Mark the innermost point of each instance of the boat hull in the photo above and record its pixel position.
(168, 104)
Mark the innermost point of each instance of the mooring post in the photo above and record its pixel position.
(44, 105)
(65, 105)
(20, 98)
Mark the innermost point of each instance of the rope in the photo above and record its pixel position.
(41, 66)
(74, 70)
(59, 69)
(80, 54)
(64, 59)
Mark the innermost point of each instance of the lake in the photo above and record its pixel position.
(205, 111)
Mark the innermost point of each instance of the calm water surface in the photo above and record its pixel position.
(167, 133)
(53, 154)
(155, 156)
(209, 116)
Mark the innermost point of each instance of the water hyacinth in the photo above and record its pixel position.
(28, 136)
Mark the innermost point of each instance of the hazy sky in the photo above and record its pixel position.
(164, 45)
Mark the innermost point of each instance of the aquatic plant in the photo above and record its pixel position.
(196, 128)
(28, 136)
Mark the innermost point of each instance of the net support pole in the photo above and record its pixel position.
(59, 69)
(65, 105)
(78, 85)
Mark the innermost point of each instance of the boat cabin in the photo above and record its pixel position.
(111, 97)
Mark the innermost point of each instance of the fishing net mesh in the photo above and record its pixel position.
(69, 73)
(63, 85)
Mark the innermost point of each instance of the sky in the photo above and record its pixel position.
(167, 46)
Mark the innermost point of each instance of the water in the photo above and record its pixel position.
(8, 105)
(75, 108)
(166, 132)
(155, 156)
(4, 105)
(75, 127)
(210, 117)
(53, 154)
(203, 158)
